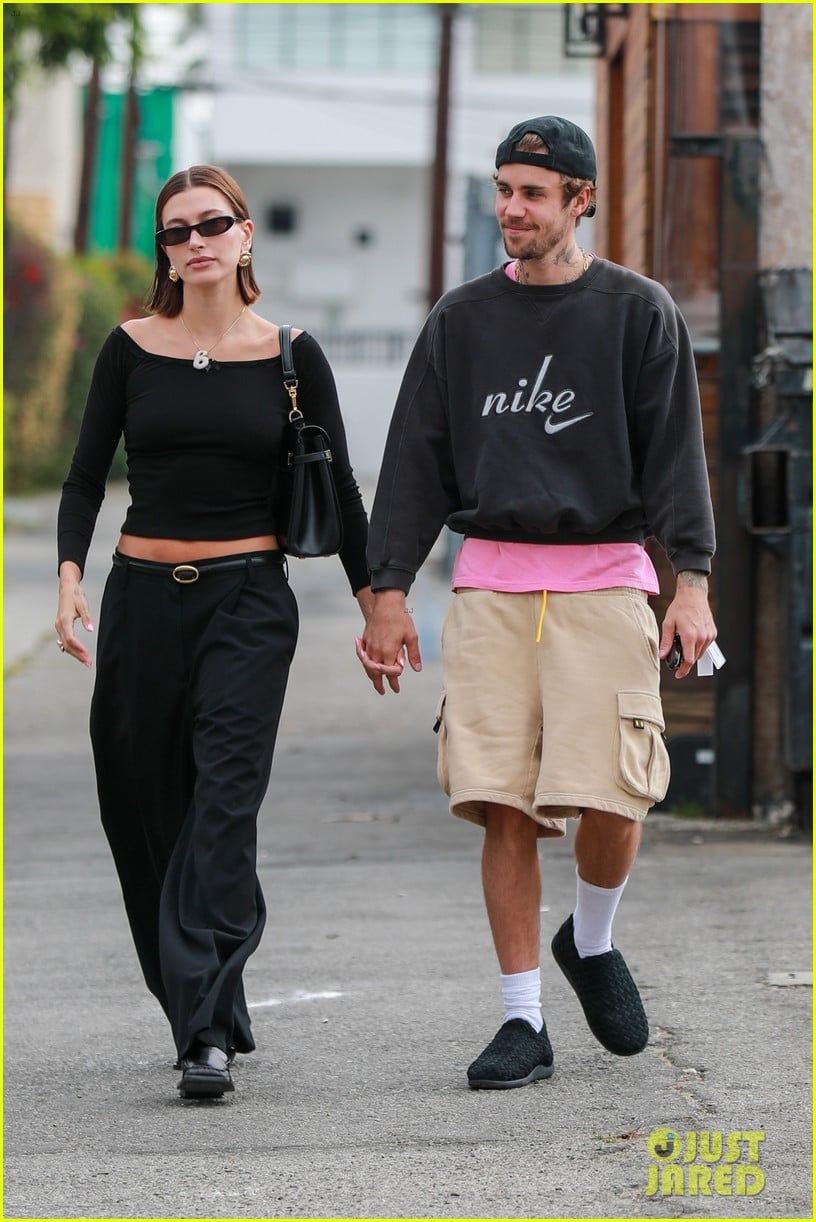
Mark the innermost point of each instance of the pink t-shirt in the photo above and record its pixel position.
(518, 568)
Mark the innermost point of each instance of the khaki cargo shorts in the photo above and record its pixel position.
(554, 725)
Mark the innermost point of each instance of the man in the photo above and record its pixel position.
(550, 413)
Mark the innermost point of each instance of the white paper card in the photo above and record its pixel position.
(713, 657)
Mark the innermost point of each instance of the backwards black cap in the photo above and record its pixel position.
(569, 149)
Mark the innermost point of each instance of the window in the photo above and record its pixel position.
(337, 37)
(527, 39)
(281, 218)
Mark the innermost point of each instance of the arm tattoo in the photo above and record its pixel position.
(693, 578)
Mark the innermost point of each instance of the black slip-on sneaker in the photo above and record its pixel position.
(516, 1056)
(608, 995)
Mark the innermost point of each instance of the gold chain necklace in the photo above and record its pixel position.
(201, 360)
(587, 258)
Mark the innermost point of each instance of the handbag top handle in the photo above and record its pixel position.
(290, 380)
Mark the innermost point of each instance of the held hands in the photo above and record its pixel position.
(72, 606)
(689, 617)
(388, 639)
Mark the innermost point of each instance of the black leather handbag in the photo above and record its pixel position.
(306, 506)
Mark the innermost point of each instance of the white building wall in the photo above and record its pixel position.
(347, 265)
(44, 158)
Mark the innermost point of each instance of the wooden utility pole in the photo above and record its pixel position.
(90, 141)
(130, 137)
(439, 169)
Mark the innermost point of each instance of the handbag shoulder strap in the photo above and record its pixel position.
(287, 360)
(290, 380)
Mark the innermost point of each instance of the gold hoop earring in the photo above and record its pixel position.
(173, 274)
(245, 258)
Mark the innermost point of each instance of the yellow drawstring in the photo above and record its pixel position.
(541, 616)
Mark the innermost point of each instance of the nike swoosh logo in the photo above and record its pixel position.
(551, 427)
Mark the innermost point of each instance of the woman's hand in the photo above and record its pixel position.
(72, 605)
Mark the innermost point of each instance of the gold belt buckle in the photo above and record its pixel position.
(185, 574)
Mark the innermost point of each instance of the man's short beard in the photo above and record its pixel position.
(542, 245)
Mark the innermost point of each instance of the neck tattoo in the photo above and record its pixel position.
(201, 360)
(523, 275)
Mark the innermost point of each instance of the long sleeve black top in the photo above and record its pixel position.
(202, 448)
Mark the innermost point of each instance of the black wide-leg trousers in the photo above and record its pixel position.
(188, 696)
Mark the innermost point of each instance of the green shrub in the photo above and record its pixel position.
(58, 313)
(111, 290)
(40, 320)
(28, 274)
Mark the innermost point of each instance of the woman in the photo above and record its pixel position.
(198, 623)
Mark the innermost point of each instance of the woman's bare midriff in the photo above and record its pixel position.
(182, 551)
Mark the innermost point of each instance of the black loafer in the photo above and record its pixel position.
(204, 1073)
(516, 1056)
(608, 995)
(178, 1064)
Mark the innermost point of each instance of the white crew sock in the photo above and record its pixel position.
(595, 909)
(521, 993)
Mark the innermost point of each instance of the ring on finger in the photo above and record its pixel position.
(60, 646)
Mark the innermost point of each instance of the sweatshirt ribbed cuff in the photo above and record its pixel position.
(391, 579)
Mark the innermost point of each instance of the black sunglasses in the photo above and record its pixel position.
(208, 229)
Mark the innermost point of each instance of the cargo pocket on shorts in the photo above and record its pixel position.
(442, 771)
(643, 761)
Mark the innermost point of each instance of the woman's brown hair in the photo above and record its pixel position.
(166, 298)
